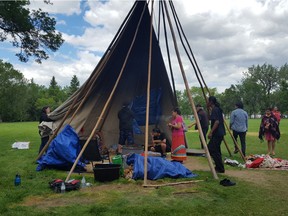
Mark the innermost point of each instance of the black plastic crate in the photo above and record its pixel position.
(106, 172)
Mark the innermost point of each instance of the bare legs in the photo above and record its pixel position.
(271, 147)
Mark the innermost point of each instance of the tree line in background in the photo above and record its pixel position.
(261, 87)
(33, 32)
(22, 99)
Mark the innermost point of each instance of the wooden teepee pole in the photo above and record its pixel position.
(190, 97)
(148, 99)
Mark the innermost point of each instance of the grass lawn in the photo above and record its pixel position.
(257, 192)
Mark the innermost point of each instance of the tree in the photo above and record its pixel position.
(197, 96)
(13, 94)
(252, 96)
(34, 93)
(267, 77)
(33, 32)
(228, 99)
(74, 85)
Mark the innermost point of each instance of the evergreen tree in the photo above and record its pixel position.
(74, 85)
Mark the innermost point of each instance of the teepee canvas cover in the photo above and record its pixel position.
(132, 36)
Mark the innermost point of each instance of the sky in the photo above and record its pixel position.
(226, 36)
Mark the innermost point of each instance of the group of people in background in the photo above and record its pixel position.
(269, 129)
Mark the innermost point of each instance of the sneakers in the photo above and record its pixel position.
(226, 182)
(236, 151)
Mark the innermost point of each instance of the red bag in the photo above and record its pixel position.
(256, 163)
(69, 186)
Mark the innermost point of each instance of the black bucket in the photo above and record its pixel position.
(106, 172)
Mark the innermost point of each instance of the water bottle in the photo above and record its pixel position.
(63, 187)
(17, 180)
(83, 182)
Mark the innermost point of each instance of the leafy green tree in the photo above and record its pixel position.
(41, 102)
(197, 96)
(13, 94)
(281, 97)
(34, 92)
(228, 99)
(283, 72)
(252, 95)
(267, 77)
(33, 32)
(55, 92)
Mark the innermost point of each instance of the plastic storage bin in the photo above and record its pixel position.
(106, 172)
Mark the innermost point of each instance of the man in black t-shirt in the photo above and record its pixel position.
(216, 134)
(159, 142)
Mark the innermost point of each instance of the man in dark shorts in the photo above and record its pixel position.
(159, 142)
(125, 116)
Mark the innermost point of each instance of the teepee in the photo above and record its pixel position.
(132, 69)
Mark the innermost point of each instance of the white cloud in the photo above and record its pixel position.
(226, 36)
(67, 7)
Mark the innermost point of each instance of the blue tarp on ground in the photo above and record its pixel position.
(62, 151)
(158, 168)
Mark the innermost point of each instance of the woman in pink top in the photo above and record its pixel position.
(178, 149)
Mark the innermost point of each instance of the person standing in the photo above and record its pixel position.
(178, 149)
(270, 129)
(125, 116)
(216, 133)
(44, 118)
(239, 126)
(204, 122)
(277, 114)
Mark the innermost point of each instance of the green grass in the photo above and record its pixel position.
(265, 193)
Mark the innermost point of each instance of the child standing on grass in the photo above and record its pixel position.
(269, 128)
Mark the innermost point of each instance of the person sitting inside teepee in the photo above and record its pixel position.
(159, 142)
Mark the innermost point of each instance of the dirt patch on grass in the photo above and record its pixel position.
(99, 193)
(87, 196)
(257, 176)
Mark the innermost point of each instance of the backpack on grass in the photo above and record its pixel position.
(69, 186)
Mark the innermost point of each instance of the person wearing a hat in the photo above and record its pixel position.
(239, 125)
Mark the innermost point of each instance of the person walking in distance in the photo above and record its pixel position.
(239, 126)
